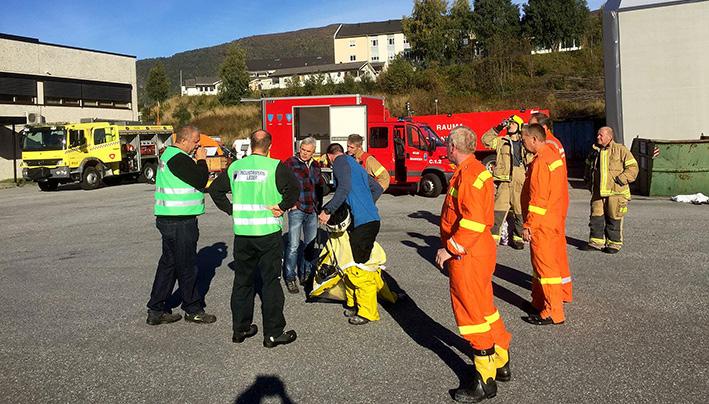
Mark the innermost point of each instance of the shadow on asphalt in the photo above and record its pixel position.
(424, 214)
(579, 244)
(429, 334)
(512, 298)
(514, 276)
(263, 387)
(427, 250)
(208, 260)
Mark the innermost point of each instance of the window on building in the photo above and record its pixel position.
(375, 43)
(275, 81)
(392, 56)
(378, 138)
(406, 41)
(375, 58)
(17, 90)
(352, 43)
(353, 58)
(391, 40)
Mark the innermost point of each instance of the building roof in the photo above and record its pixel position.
(202, 81)
(369, 28)
(36, 41)
(333, 67)
(612, 5)
(285, 63)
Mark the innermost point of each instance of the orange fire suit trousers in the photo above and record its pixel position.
(546, 263)
(477, 318)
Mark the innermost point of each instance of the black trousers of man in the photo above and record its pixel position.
(179, 252)
(258, 256)
(362, 240)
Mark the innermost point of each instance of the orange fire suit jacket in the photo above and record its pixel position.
(545, 193)
(468, 211)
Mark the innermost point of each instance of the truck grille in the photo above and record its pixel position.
(39, 163)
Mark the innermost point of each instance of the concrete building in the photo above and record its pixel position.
(656, 55)
(201, 86)
(56, 83)
(374, 42)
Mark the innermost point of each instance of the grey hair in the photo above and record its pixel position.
(185, 132)
(309, 141)
(463, 138)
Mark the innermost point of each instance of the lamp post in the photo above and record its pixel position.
(435, 101)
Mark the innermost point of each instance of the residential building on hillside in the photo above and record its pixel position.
(44, 82)
(375, 42)
(281, 78)
(201, 86)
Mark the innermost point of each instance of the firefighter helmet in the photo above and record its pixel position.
(339, 220)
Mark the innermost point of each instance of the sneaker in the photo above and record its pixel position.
(350, 312)
(292, 287)
(286, 338)
(240, 336)
(517, 245)
(157, 318)
(357, 320)
(200, 318)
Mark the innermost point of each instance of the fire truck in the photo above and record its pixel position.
(408, 148)
(89, 152)
(479, 122)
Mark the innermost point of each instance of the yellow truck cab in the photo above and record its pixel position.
(91, 152)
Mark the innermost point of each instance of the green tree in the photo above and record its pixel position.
(398, 77)
(157, 88)
(182, 115)
(553, 23)
(495, 23)
(235, 77)
(461, 28)
(427, 30)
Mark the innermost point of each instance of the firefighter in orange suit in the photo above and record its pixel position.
(544, 201)
(566, 285)
(469, 249)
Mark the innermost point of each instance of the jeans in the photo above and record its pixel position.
(179, 252)
(308, 222)
(257, 261)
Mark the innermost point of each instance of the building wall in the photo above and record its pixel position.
(51, 61)
(365, 52)
(664, 78)
(343, 49)
(191, 91)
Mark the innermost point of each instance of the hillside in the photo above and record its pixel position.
(206, 61)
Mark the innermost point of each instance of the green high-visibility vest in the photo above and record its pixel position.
(174, 197)
(253, 190)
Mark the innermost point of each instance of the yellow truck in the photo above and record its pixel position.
(91, 152)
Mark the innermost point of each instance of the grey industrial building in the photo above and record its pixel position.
(43, 82)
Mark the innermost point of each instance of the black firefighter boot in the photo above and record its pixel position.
(484, 385)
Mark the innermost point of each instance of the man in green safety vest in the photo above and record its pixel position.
(178, 201)
(262, 189)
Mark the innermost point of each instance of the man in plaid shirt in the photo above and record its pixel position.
(303, 217)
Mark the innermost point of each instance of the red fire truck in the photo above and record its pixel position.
(409, 149)
(479, 122)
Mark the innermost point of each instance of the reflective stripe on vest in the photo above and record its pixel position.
(253, 189)
(174, 197)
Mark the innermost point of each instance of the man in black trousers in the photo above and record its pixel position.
(262, 189)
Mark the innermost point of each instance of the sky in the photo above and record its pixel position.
(157, 28)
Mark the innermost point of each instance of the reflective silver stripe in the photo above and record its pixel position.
(195, 202)
(176, 191)
(566, 280)
(257, 221)
(249, 207)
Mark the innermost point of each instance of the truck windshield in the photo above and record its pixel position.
(433, 137)
(38, 139)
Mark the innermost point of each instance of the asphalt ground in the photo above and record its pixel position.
(76, 268)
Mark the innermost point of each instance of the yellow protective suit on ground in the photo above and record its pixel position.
(357, 284)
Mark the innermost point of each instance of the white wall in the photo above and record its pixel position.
(664, 71)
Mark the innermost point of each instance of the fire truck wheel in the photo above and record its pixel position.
(48, 186)
(91, 178)
(147, 174)
(489, 162)
(430, 185)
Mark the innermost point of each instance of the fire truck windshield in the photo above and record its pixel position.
(433, 137)
(39, 139)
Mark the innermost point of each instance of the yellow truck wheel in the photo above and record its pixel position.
(91, 178)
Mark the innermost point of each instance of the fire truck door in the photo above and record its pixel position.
(399, 154)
